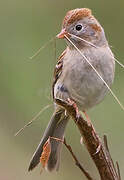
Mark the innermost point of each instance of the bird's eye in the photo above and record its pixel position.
(78, 27)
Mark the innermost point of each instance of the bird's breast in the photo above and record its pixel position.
(82, 82)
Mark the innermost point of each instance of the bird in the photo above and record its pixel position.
(75, 79)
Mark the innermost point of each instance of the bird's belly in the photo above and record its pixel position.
(85, 87)
(80, 82)
(87, 92)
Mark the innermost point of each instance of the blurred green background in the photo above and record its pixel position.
(25, 84)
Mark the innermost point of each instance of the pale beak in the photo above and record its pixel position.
(62, 34)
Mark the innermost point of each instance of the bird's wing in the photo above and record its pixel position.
(58, 70)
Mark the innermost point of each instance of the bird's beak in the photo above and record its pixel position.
(62, 34)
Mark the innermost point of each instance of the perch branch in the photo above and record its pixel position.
(99, 152)
(119, 175)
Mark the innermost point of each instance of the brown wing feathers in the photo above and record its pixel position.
(58, 70)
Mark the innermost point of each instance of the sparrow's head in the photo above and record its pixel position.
(81, 23)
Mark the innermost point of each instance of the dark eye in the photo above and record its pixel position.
(78, 27)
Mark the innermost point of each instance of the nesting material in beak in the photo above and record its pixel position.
(62, 34)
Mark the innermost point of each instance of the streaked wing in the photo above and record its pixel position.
(58, 70)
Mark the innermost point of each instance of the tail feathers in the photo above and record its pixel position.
(56, 146)
(55, 128)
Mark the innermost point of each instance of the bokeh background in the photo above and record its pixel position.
(25, 85)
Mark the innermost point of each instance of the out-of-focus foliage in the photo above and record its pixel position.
(25, 84)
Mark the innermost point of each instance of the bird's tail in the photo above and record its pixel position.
(55, 128)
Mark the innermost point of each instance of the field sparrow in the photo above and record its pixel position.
(74, 78)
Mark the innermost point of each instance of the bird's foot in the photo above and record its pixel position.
(72, 103)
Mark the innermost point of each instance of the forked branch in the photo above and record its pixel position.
(78, 164)
(98, 151)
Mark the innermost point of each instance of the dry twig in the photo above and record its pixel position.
(99, 152)
(78, 164)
